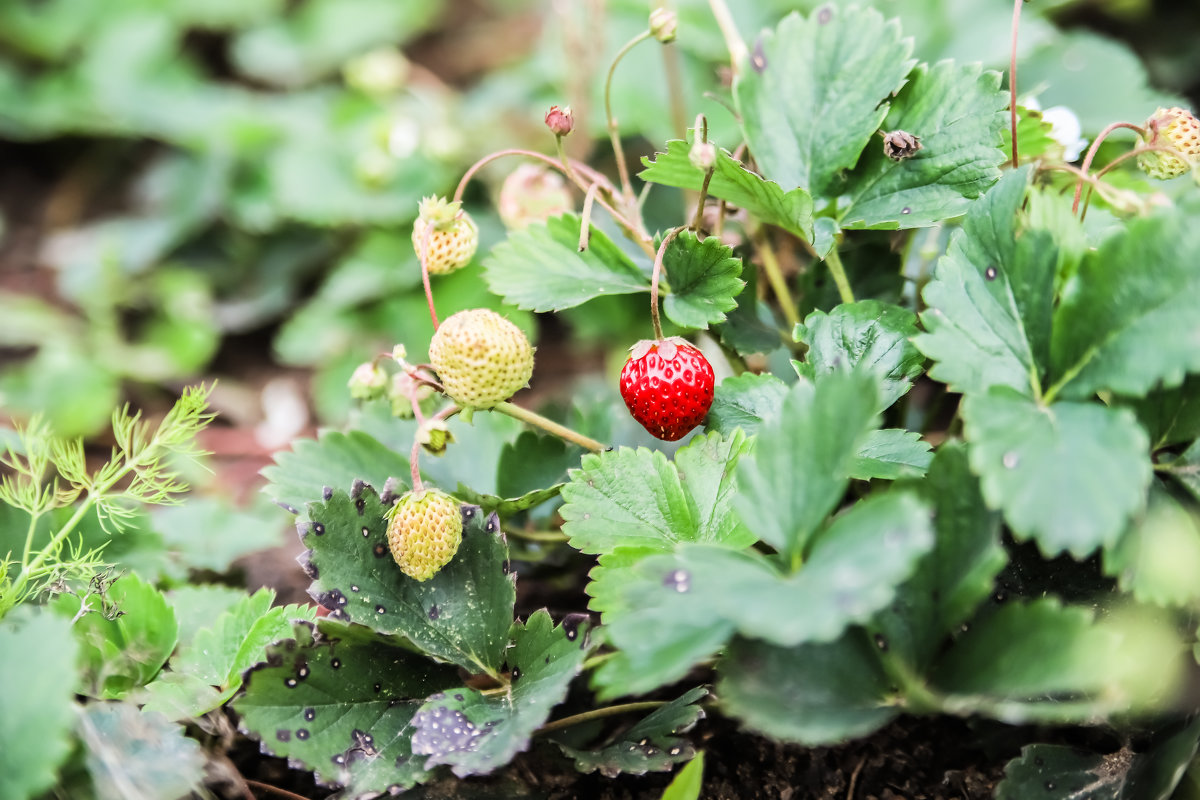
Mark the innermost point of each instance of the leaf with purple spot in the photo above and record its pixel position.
(461, 615)
(339, 700)
(474, 733)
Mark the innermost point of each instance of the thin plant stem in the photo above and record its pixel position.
(565, 161)
(552, 537)
(550, 426)
(701, 128)
(839, 275)
(675, 88)
(733, 40)
(585, 217)
(266, 787)
(1091, 154)
(600, 713)
(614, 131)
(1137, 151)
(425, 274)
(775, 279)
(654, 279)
(414, 465)
(1012, 77)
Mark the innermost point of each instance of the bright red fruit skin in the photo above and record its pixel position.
(667, 386)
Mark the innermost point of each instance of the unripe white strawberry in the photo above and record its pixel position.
(1170, 127)
(424, 532)
(480, 357)
(532, 193)
(448, 233)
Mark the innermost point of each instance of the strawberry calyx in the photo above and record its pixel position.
(439, 212)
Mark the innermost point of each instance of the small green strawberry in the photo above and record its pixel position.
(480, 357)
(1170, 127)
(424, 532)
(452, 235)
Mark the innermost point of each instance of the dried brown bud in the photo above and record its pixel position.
(899, 145)
(560, 121)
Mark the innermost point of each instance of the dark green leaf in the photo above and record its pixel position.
(801, 463)
(890, 454)
(476, 733)
(533, 462)
(744, 401)
(1170, 416)
(132, 753)
(735, 184)
(335, 459)
(988, 322)
(1128, 320)
(541, 268)
(704, 280)
(1157, 559)
(37, 709)
(1068, 476)
(813, 78)
(958, 113)
(462, 614)
(653, 744)
(637, 497)
(870, 335)
(340, 700)
(814, 694)
(1186, 469)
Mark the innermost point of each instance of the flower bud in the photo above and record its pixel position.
(663, 24)
(560, 121)
(434, 436)
(703, 155)
(401, 391)
(367, 382)
(899, 145)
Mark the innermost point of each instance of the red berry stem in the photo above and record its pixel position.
(658, 266)
(1091, 154)
(425, 275)
(1012, 77)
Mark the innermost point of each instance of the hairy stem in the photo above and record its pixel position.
(550, 426)
(654, 279)
(614, 131)
(424, 256)
(733, 40)
(778, 284)
(585, 217)
(600, 713)
(1012, 77)
(834, 260)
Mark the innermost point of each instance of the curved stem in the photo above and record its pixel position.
(654, 278)
(600, 713)
(266, 787)
(1091, 154)
(1012, 77)
(585, 217)
(733, 40)
(839, 275)
(552, 537)
(614, 133)
(424, 256)
(550, 426)
(414, 465)
(775, 276)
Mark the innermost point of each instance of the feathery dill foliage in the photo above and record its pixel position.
(46, 473)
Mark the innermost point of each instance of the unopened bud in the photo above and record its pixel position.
(402, 391)
(899, 145)
(560, 121)
(367, 382)
(382, 71)
(703, 155)
(663, 24)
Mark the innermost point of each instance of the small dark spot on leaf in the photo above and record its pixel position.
(336, 663)
(354, 587)
(1049, 786)
(459, 697)
(356, 488)
(824, 15)
(1037, 760)
(366, 531)
(327, 492)
(379, 550)
(434, 611)
(333, 599)
(360, 505)
(395, 701)
(310, 714)
(302, 733)
(516, 673)
(380, 609)
(378, 687)
(881, 642)
(318, 528)
(338, 615)
(339, 759)
(310, 569)
(758, 59)
(570, 625)
(493, 523)
(290, 682)
(283, 735)
(546, 660)
(906, 210)
(990, 273)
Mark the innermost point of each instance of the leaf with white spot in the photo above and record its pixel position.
(653, 744)
(340, 700)
(462, 614)
(475, 733)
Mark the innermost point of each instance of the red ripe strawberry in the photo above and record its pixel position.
(668, 386)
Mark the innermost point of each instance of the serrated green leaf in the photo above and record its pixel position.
(1040, 660)
(540, 267)
(801, 463)
(744, 401)
(126, 642)
(37, 709)
(652, 744)
(637, 497)
(957, 575)
(132, 753)
(530, 471)
(704, 280)
(1170, 416)
(340, 700)
(474, 733)
(197, 605)
(462, 614)
(868, 335)
(1058, 772)
(814, 694)
(854, 568)
(890, 454)
(1068, 476)
(958, 113)
(1157, 559)
(988, 322)
(687, 784)
(1127, 320)
(734, 183)
(333, 459)
(810, 78)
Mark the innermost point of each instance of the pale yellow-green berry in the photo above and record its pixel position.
(1170, 127)
(447, 233)
(424, 532)
(481, 358)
